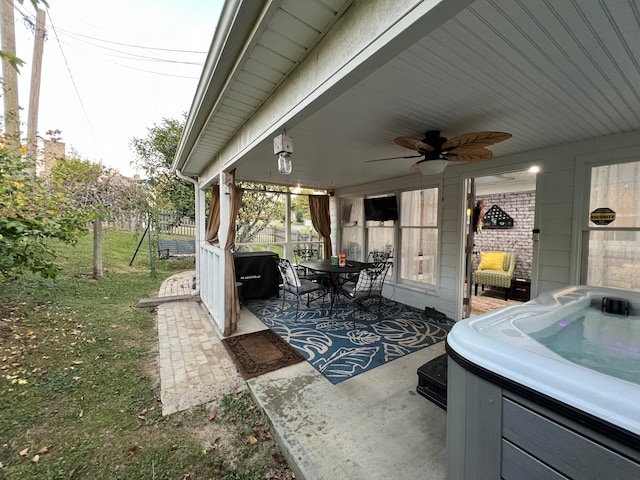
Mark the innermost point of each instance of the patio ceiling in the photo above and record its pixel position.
(550, 73)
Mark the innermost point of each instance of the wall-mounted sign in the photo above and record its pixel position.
(602, 216)
(497, 218)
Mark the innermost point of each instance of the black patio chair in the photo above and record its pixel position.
(302, 254)
(369, 285)
(378, 256)
(297, 286)
(375, 257)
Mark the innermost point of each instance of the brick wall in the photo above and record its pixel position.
(520, 206)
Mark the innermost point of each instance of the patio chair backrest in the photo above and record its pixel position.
(371, 279)
(378, 256)
(302, 254)
(288, 273)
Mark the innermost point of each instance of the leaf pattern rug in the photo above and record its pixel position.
(351, 341)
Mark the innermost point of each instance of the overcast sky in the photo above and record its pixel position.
(111, 69)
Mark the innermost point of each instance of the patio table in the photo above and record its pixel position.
(332, 272)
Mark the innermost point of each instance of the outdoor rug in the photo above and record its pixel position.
(490, 300)
(260, 352)
(351, 342)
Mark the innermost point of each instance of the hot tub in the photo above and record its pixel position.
(549, 389)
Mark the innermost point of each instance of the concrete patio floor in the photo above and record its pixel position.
(372, 426)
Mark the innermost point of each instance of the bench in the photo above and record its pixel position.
(170, 248)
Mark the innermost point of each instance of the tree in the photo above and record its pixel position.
(102, 191)
(30, 216)
(10, 68)
(154, 155)
(259, 208)
(300, 207)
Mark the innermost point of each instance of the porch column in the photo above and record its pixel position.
(223, 234)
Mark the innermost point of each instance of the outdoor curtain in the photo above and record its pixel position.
(319, 207)
(232, 301)
(213, 224)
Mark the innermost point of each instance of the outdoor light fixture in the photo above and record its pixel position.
(431, 167)
(283, 147)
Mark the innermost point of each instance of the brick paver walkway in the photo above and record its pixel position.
(194, 366)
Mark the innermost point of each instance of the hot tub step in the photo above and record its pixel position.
(432, 381)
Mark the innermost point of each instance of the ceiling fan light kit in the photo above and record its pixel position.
(431, 167)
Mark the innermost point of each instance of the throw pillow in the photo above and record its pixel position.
(364, 282)
(292, 278)
(492, 261)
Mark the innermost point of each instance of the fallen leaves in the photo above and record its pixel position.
(36, 458)
(132, 450)
(213, 446)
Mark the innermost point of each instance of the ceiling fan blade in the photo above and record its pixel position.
(469, 154)
(391, 158)
(414, 144)
(414, 168)
(475, 139)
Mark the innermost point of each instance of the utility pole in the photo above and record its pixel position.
(10, 79)
(34, 96)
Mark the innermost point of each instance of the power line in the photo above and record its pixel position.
(75, 86)
(143, 57)
(31, 19)
(131, 45)
(155, 73)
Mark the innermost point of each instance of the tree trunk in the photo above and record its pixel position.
(97, 248)
(10, 79)
(34, 94)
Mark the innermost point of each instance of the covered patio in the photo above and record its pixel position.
(345, 78)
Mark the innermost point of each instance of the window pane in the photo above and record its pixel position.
(419, 208)
(614, 260)
(381, 239)
(352, 212)
(352, 243)
(419, 253)
(617, 187)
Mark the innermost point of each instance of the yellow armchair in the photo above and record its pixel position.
(496, 269)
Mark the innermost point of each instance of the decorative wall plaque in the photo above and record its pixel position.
(496, 218)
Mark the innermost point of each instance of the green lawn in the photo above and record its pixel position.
(79, 392)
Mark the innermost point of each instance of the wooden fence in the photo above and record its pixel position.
(175, 224)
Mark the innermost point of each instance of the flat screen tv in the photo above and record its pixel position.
(380, 209)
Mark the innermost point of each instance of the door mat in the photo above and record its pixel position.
(260, 352)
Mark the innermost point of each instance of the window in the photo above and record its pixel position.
(419, 235)
(614, 248)
(381, 233)
(352, 239)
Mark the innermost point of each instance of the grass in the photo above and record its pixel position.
(79, 391)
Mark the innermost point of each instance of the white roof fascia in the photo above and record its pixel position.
(235, 26)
